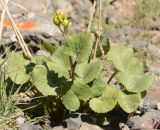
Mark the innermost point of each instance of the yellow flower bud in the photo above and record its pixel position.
(60, 19)
(60, 16)
(56, 21)
(65, 23)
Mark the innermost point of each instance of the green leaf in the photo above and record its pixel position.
(135, 83)
(17, 68)
(39, 60)
(82, 91)
(60, 63)
(98, 86)
(71, 101)
(79, 46)
(106, 102)
(59, 53)
(129, 102)
(58, 67)
(49, 47)
(124, 60)
(44, 80)
(88, 72)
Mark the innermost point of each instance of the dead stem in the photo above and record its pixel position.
(98, 37)
(1, 24)
(112, 76)
(91, 17)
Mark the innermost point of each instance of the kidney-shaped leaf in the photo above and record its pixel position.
(135, 83)
(106, 102)
(129, 102)
(79, 46)
(17, 70)
(70, 101)
(82, 91)
(88, 72)
(58, 67)
(60, 54)
(60, 63)
(98, 86)
(124, 60)
(43, 80)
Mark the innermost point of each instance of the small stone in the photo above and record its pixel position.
(158, 106)
(86, 126)
(74, 121)
(42, 53)
(134, 122)
(28, 127)
(31, 15)
(57, 128)
(123, 126)
(147, 120)
(148, 104)
(13, 38)
(20, 120)
(19, 112)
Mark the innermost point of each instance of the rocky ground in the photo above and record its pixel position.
(34, 19)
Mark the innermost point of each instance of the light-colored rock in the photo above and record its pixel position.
(42, 53)
(123, 126)
(147, 121)
(28, 127)
(20, 120)
(135, 122)
(147, 104)
(158, 106)
(57, 128)
(74, 122)
(153, 116)
(86, 126)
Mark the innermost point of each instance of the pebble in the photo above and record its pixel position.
(58, 128)
(146, 121)
(28, 127)
(158, 106)
(86, 126)
(20, 120)
(147, 105)
(74, 121)
(123, 126)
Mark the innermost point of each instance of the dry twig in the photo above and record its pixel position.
(98, 37)
(1, 23)
(91, 17)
